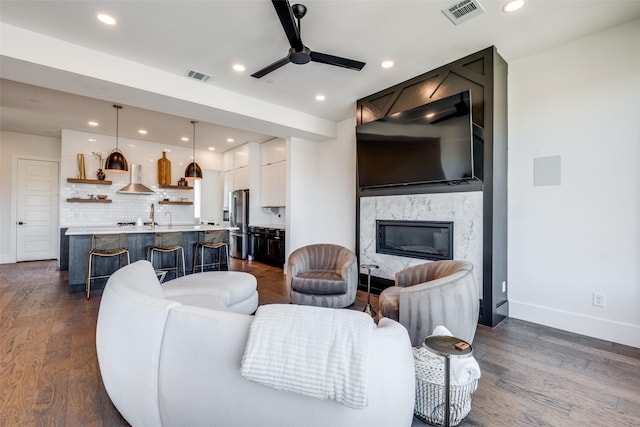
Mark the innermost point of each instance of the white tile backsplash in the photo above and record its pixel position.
(125, 207)
(463, 208)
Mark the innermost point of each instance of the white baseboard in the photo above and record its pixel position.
(605, 329)
(7, 258)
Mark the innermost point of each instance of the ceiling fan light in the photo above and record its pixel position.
(116, 162)
(193, 172)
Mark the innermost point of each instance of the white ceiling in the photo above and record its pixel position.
(211, 36)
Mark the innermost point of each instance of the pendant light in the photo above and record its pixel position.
(193, 171)
(116, 161)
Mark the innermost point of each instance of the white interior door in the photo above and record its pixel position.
(37, 210)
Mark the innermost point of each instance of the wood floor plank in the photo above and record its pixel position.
(532, 375)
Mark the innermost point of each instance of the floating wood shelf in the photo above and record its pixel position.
(89, 200)
(89, 181)
(168, 202)
(177, 187)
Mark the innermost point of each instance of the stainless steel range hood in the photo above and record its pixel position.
(136, 186)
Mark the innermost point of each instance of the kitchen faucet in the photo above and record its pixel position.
(153, 217)
(170, 219)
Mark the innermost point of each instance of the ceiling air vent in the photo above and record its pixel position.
(463, 10)
(198, 75)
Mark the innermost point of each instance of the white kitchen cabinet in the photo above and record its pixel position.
(273, 184)
(227, 188)
(227, 160)
(273, 151)
(241, 156)
(241, 178)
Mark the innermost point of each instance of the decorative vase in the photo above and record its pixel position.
(81, 171)
(164, 170)
(101, 175)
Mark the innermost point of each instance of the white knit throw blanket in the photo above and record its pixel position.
(315, 351)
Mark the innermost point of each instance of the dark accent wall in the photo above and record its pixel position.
(484, 73)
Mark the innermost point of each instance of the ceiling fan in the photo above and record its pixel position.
(299, 53)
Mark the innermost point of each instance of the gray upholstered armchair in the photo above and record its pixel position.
(323, 275)
(431, 294)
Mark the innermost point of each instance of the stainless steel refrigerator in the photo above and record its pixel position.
(239, 217)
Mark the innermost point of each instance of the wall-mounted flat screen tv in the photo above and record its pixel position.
(432, 143)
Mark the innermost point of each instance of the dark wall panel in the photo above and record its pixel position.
(484, 73)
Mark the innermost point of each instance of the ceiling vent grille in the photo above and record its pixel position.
(463, 11)
(198, 75)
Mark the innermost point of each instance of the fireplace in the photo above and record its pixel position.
(432, 240)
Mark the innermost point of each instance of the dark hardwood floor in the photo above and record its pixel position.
(531, 375)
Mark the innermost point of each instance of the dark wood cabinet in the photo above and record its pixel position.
(267, 245)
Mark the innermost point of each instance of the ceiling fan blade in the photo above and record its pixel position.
(288, 21)
(336, 60)
(269, 68)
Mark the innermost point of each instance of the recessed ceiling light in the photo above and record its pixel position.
(106, 19)
(320, 97)
(132, 145)
(239, 67)
(212, 148)
(184, 138)
(142, 131)
(167, 150)
(230, 139)
(91, 140)
(387, 64)
(92, 123)
(512, 6)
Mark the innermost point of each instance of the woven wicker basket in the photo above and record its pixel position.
(430, 396)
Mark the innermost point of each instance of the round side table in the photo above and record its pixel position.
(368, 309)
(446, 346)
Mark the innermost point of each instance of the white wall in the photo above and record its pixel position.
(321, 196)
(14, 146)
(580, 101)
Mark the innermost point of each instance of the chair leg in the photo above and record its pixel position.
(184, 271)
(195, 257)
(87, 288)
(177, 264)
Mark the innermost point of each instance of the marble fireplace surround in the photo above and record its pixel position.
(463, 208)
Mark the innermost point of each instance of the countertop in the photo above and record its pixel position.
(79, 231)
(275, 226)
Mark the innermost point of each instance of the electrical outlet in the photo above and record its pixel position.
(598, 299)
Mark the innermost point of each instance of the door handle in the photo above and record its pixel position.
(22, 223)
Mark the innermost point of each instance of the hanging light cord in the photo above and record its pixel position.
(118, 108)
(193, 122)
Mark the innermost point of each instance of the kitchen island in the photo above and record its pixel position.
(78, 245)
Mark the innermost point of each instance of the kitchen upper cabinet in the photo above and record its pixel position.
(241, 178)
(227, 160)
(273, 172)
(227, 188)
(273, 184)
(273, 151)
(241, 157)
